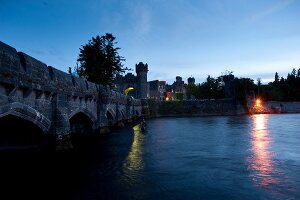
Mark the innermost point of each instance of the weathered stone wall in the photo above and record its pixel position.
(195, 107)
(49, 98)
(283, 107)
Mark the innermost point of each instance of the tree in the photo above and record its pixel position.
(70, 70)
(294, 72)
(227, 76)
(242, 87)
(281, 80)
(99, 60)
(211, 89)
(191, 90)
(179, 96)
(276, 78)
(258, 85)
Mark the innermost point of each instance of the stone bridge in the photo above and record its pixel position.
(39, 103)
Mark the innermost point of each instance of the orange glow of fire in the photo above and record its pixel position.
(258, 103)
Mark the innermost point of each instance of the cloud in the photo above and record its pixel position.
(50, 52)
(144, 23)
(155, 75)
(270, 10)
(54, 52)
(140, 16)
(37, 52)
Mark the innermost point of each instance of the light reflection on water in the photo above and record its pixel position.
(134, 163)
(261, 161)
(223, 158)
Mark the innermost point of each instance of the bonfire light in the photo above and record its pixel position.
(258, 103)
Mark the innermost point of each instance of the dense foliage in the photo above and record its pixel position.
(281, 89)
(99, 60)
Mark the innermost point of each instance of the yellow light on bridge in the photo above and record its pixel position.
(128, 90)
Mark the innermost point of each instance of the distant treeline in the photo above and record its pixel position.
(283, 89)
(228, 86)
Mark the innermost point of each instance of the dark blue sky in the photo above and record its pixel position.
(253, 38)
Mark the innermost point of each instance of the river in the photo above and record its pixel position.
(232, 157)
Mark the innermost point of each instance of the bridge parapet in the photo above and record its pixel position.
(46, 94)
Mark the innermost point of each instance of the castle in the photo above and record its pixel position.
(138, 83)
(138, 87)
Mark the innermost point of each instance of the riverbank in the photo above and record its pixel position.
(273, 107)
(194, 108)
(214, 107)
(283, 107)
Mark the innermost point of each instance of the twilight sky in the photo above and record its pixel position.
(252, 38)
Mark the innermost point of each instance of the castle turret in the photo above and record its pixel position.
(178, 79)
(141, 71)
(191, 80)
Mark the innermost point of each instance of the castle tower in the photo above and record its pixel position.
(191, 80)
(141, 71)
(178, 79)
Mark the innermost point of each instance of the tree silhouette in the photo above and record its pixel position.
(191, 90)
(276, 78)
(99, 60)
(258, 85)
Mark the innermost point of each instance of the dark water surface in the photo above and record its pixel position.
(240, 157)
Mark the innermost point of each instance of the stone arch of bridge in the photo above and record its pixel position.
(28, 113)
(80, 123)
(19, 133)
(23, 127)
(86, 112)
(110, 114)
